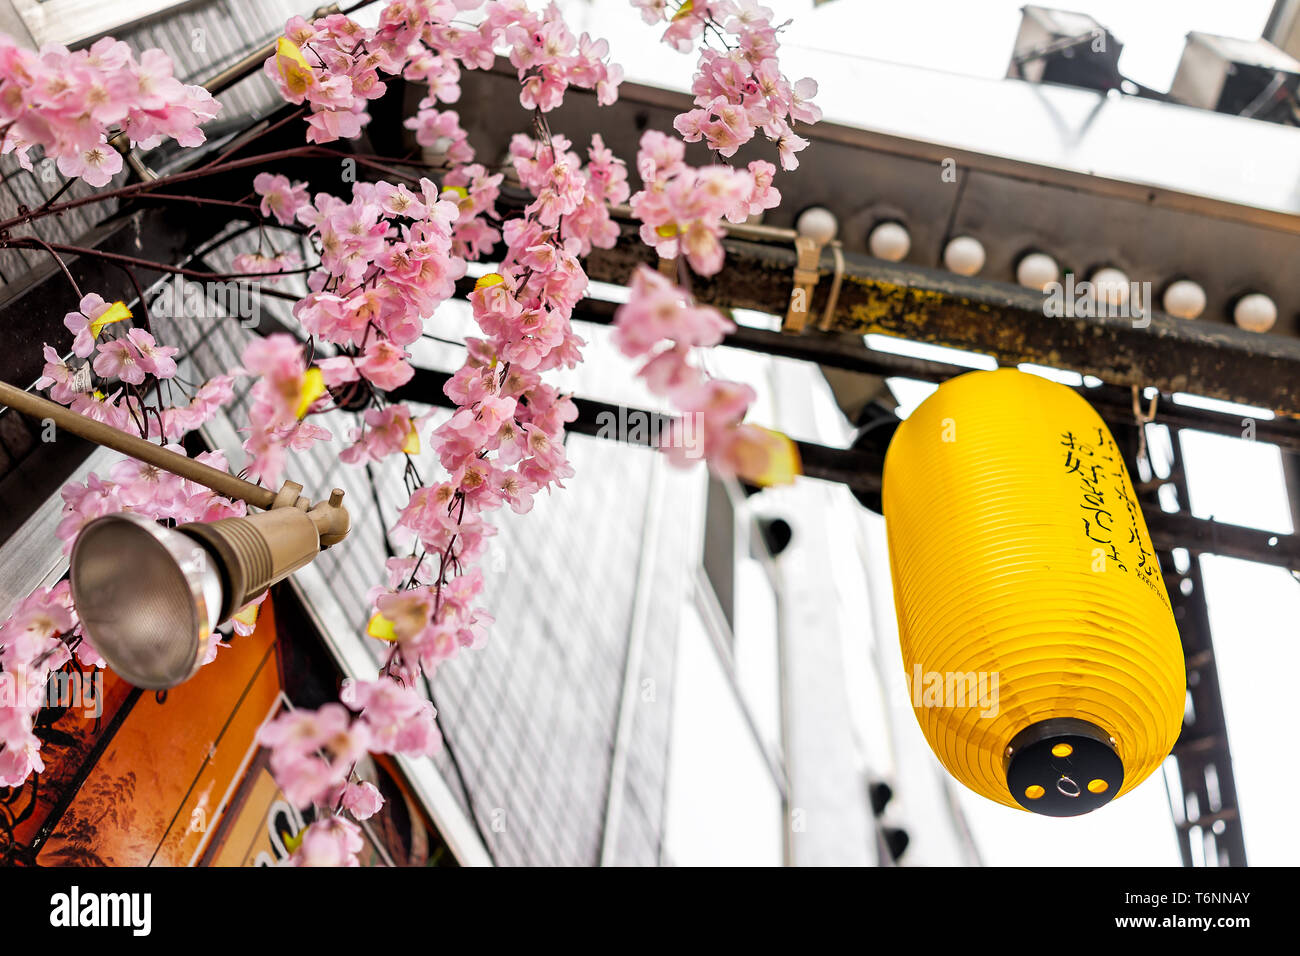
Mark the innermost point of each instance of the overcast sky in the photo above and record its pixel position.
(958, 36)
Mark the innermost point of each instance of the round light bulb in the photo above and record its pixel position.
(1110, 286)
(964, 256)
(818, 224)
(1184, 299)
(1037, 271)
(889, 241)
(1255, 312)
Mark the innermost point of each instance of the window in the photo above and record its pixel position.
(71, 21)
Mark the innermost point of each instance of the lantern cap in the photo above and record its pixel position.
(1063, 767)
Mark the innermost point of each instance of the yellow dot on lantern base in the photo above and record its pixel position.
(1098, 786)
(1034, 792)
(1062, 750)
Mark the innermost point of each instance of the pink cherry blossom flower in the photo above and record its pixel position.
(83, 503)
(681, 208)
(84, 325)
(31, 648)
(307, 779)
(387, 431)
(670, 373)
(384, 364)
(363, 800)
(45, 613)
(652, 11)
(658, 310)
(68, 102)
(738, 90)
(19, 760)
(399, 718)
(259, 263)
(441, 132)
(58, 377)
(103, 408)
(281, 396)
(301, 731)
(719, 401)
(147, 488)
(153, 358)
(97, 165)
(280, 198)
(119, 358)
(332, 841)
(788, 144)
(339, 370)
(399, 201)
(331, 125)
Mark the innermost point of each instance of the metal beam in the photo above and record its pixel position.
(1005, 321)
(860, 469)
(848, 351)
(1207, 817)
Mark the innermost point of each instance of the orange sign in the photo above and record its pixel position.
(166, 776)
(177, 779)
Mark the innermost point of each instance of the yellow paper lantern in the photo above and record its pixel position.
(1039, 643)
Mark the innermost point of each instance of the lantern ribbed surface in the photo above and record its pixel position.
(1019, 552)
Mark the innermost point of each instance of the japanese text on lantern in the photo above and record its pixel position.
(1109, 513)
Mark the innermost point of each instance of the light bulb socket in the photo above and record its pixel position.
(1063, 767)
(256, 551)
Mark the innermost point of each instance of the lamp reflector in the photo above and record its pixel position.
(148, 598)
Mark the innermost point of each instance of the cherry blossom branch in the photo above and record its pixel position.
(137, 189)
(36, 240)
(390, 254)
(118, 257)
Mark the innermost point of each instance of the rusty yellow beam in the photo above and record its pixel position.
(1005, 321)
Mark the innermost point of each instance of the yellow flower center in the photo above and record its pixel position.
(293, 66)
(116, 312)
(310, 388)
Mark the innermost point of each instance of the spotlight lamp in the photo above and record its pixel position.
(149, 597)
(1045, 663)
